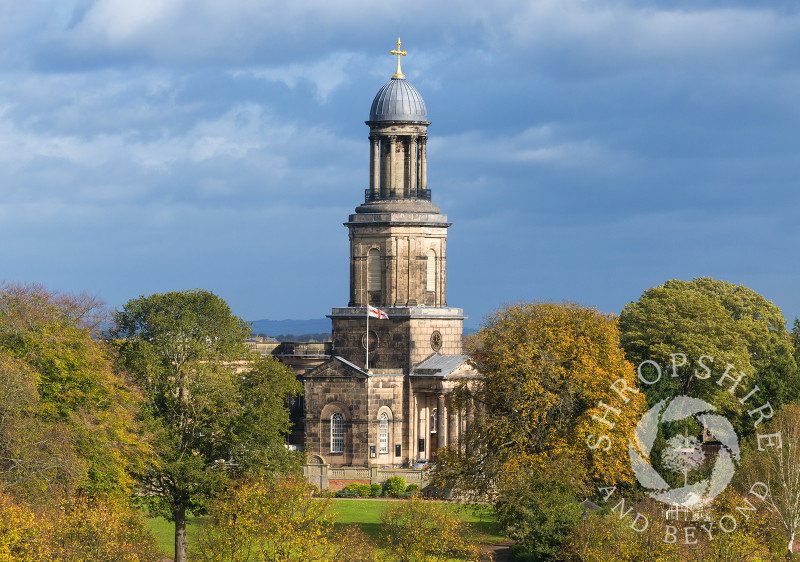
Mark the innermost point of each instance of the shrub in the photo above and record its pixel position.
(362, 490)
(376, 490)
(394, 487)
(274, 518)
(412, 489)
(351, 544)
(419, 529)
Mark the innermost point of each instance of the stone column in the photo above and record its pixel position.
(452, 424)
(413, 167)
(391, 188)
(423, 165)
(374, 166)
(412, 422)
(441, 422)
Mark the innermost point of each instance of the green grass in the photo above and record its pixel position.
(164, 532)
(365, 513)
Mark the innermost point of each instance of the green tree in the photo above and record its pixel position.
(212, 407)
(704, 317)
(66, 418)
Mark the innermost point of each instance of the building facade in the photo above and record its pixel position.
(381, 399)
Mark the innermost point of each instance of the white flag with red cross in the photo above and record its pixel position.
(377, 313)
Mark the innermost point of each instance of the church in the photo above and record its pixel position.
(381, 399)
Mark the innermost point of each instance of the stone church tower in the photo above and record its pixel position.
(382, 397)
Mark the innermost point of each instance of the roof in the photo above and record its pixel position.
(440, 365)
(398, 100)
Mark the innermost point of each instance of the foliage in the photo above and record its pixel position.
(420, 530)
(778, 467)
(18, 530)
(75, 530)
(539, 509)
(67, 419)
(265, 519)
(394, 487)
(412, 489)
(212, 407)
(97, 531)
(544, 370)
(362, 490)
(609, 536)
(731, 323)
(376, 490)
(351, 544)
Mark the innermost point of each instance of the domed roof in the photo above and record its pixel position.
(398, 101)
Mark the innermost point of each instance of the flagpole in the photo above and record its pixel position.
(366, 303)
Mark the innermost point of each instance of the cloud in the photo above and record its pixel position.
(324, 75)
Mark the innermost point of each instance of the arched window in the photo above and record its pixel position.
(337, 433)
(374, 270)
(430, 284)
(434, 421)
(383, 435)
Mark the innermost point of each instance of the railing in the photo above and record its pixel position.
(375, 475)
(421, 194)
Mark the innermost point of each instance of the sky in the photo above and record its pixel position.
(583, 150)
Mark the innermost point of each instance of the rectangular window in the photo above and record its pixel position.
(384, 434)
(337, 433)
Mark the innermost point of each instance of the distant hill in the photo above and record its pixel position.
(277, 327)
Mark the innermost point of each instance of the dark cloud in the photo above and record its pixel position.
(582, 150)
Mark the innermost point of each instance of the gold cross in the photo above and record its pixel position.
(398, 52)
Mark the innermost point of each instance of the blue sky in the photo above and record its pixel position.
(583, 150)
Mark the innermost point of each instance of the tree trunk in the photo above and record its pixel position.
(179, 512)
(791, 543)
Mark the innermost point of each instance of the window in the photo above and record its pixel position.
(430, 284)
(374, 270)
(337, 433)
(434, 421)
(383, 436)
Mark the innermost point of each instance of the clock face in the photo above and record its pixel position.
(373, 340)
(436, 341)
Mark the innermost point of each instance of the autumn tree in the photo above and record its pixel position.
(547, 373)
(774, 459)
(66, 418)
(266, 518)
(212, 407)
(419, 530)
(730, 323)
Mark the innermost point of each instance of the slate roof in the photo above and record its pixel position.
(440, 365)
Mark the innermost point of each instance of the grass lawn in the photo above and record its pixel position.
(365, 513)
(164, 532)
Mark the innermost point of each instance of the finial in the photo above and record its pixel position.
(398, 52)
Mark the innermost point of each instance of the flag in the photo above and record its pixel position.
(377, 313)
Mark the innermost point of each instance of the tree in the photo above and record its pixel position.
(539, 509)
(546, 376)
(775, 460)
(730, 323)
(419, 530)
(211, 406)
(66, 418)
(263, 519)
